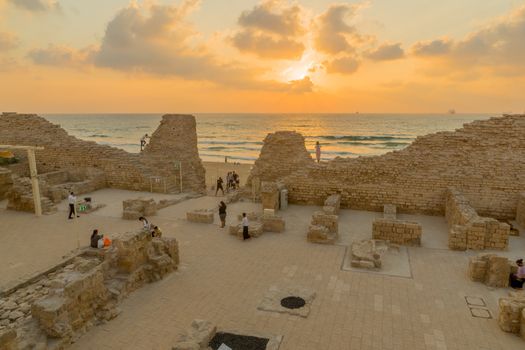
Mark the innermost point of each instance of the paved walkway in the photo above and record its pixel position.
(222, 279)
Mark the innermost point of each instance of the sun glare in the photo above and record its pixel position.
(298, 70)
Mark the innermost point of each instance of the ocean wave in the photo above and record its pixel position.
(230, 142)
(231, 149)
(99, 135)
(229, 157)
(361, 138)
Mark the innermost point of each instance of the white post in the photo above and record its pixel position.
(34, 181)
(180, 175)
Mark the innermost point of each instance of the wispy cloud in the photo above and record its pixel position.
(36, 5)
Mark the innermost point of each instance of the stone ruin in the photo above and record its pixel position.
(54, 187)
(270, 195)
(258, 224)
(511, 316)
(54, 309)
(324, 227)
(202, 216)
(468, 230)
(172, 150)
(367, 254)
(135, 208)
(416, 178)
(520, 211)
(393, 230)
(6, 182)
(490, 269)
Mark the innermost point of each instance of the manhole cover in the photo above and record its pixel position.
(293, 302)
(238, 342)
(475, 301)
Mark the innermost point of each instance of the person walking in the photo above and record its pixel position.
(145, 223)
(245, 225)
(222, 213)
(72, 200)
(219, 186)
(318, 151)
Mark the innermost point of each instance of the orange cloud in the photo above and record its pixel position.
(342, 65)
(497, 48)
(272, 29)
(386, 52)
(8, 41)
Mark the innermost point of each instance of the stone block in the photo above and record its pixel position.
(321, 234)
(8, 340)
(273, 223)
(203, 216)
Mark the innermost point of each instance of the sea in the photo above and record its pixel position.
(239, 137)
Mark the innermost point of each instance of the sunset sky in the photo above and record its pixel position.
(190, 56)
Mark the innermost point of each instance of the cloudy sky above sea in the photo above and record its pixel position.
(262, 56)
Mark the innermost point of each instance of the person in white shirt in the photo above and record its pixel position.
(72, 200)
(144, 142)
(245, 225)
(145, 223)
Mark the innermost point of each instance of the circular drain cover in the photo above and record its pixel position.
(293, 302)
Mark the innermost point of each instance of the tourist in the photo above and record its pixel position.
(143, 142)
(318, 151)
(145, 223)
(228, 181)
(156, 233)
(95, 237)
(222, 213)
(72, 200)
(219, 186)
(236, 179)
(517, 279)
(245, 225)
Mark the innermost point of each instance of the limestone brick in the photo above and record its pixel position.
(520, 210)
(397, 231)
(474, 159)
(490, 269)
(203, 216)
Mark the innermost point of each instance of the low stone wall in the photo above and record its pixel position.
(203, 216)
(135, 208)
(520, 211)
(397, 231)
(490, 269)
(6, 182)
(511, 316)
(270, 195)
(468, 230)
(324, 228)
(64, 304)
(54, 187)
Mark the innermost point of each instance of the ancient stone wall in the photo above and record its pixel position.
(397, 231)
(66, 302)
(6, 182)
(282, 154)
(468, 230)
(175, 139)
(483, 160)
(520, 211)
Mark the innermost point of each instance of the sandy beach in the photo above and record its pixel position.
(216, 169)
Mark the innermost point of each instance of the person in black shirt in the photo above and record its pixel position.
(219, 186)
(222, 213)
(94, 239)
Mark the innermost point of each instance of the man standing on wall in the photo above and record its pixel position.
(318, 151)
(72, 200)
(143, 142)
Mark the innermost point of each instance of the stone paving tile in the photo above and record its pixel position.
(223, 279)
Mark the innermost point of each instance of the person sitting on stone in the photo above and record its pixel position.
(145, 223)
(95, 237)
(517, 279)
(156, 233)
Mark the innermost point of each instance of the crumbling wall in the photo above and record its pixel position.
(468, 230)
(6, 182)
(397, 231)
(65, 303)
(175, 139)
(520, 211)
(483, 160)
(511, 313)
(283, 153)
(490, 269)
(174, 143)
